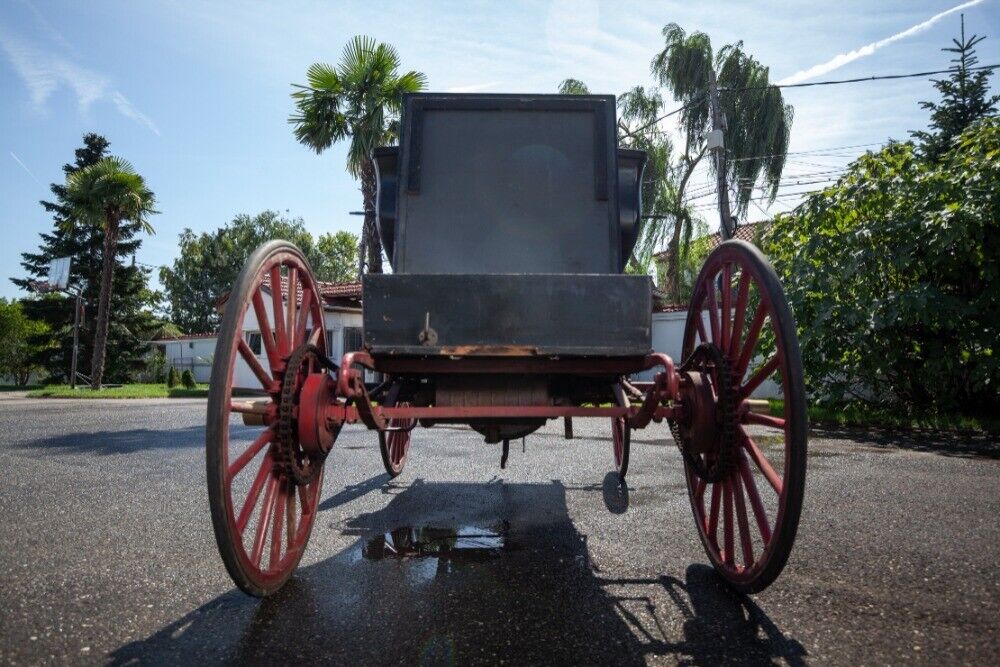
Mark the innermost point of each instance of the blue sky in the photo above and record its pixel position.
(196, 94)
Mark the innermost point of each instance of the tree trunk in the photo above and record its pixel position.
(104, 302)
(369, 233)
(673, 248)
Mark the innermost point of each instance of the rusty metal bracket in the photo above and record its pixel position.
(665, 387)
(351, 385)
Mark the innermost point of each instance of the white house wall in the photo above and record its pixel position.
(668, 338)
(334, 320)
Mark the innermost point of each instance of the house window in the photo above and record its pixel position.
(329, 342)
(191, 345)
(253, 341)
(353, 339)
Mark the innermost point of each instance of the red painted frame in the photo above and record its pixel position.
(358, 406)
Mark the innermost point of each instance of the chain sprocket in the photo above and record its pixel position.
(289, 455)
(717, 465)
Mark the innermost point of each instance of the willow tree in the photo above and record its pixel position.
(360, 100)
(105, 195)
(756, 137)
(573, 87)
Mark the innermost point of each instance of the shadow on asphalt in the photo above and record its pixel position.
(123, 442)
(531, 595)
(966, 445)
(355, 491)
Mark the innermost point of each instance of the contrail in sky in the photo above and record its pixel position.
(842, 59)
(23, 166)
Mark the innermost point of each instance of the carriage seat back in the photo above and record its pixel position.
(500, 184)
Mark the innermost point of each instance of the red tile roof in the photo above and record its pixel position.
(167, 339)
(329, 291)
(326, 290)
(745, 232)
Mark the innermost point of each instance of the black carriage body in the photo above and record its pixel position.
(508, 220)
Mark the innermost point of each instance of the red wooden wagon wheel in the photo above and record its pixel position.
(746, 485)
(621, 440)
(263, 485)
(395, 445)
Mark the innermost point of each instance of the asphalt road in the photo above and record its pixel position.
(107, 553)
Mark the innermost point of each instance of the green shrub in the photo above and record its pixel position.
(173, 378)
(187, 379)
(892, 274)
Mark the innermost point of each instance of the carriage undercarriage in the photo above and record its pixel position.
(745, 498)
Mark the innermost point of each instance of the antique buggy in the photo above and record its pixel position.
(508, 221)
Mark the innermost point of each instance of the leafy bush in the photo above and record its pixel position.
(173, 378)
(187, 379)
(893, 276)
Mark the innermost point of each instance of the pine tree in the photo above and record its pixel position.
(964, 98)
(131, 297)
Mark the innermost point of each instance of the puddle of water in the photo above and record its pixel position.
(463, 543)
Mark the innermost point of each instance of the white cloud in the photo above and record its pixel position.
(842, 59)
(44, 72)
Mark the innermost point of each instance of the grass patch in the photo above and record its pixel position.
(125, 391)
(855, 414)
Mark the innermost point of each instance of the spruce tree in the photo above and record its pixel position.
(965, 98)
(131, 298)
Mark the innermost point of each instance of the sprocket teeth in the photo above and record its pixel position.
(725, 462)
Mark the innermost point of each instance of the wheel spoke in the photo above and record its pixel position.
(305, 501)
(713, 517)
(741, 519)
(751, 342)
(764, 420)
(727, 523)
(315, 336)
(699, 490)
(279, 525)
(248, 356)
(292, 302)
(252, 451)
(727, 277)
(700, 323)
(736, 335)
(266, 335)
(759, 376)
(251, 501)
(264, 522)
(762, 463)
(759, 513)
(277, 309)
(291, 516)
(713, 307)
(305, 311)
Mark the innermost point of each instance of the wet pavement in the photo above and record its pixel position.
(108, 554)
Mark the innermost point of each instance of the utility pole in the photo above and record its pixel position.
(76, 340)
(717, 144)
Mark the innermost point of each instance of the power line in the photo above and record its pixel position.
(817, 152)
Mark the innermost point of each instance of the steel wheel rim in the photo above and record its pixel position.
(756, 536)
(620, 444)
(279, 514)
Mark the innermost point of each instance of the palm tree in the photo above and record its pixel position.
(759, 124)
(359, 99)
(104, 194)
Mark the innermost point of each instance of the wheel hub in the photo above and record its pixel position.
(706, 435)
(301, 390)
